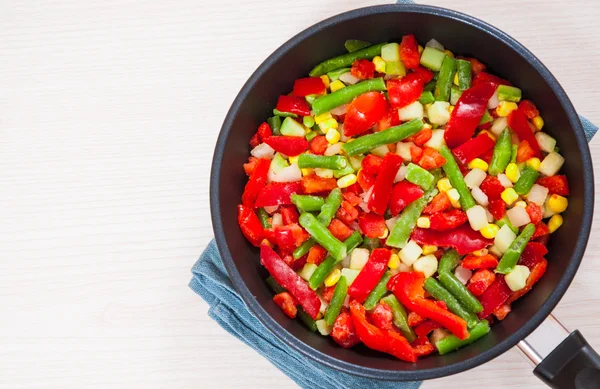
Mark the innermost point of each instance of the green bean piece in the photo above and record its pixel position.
(329, 263)
(343, 172)
(460, 291)
(419, 176)
(304, 248)
(333, 162)
(504, 221)
(310, 135)
(378, 292)
(371, 243)
(275, 124)
(502, 153)
(353, 241)
(451, 342)
(335, 75)
(345, 95)
(426, 98)
(337, 301)
(399, 317)
(277, 112)
(486, 118)
(526, 180)
(274, 285)
(263, 216)
(391, 135)
(455, 94)
(445, 77)
(512, 254)
(513, 155)
(408, 220)
(332, 203)
(457, 179)
(322, 235)
(353, 45)
(307, 320)
(430, 86)
(307, 203)
(435, 289)
(449, 261)
(509, 93)
(346, 60)
(463, 68)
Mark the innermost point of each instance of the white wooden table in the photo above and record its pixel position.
(109, 111)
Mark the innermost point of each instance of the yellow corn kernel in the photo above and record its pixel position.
(456, 79)
(325, 79)
(379, 64)
(521, 204)
(323, 117)
(327, 124)
(538, 122)
(336, 85)
(512, 172)
(423, 222)
(346, 181)
(394, 261)
(429, 249)
(332, 136)
(444, 185)
(324, 173)
(450, 109)
(478, 163)
(265, 241)
(333, 277)
(488, 134)
(420, 49)
(509, 196)
(480, 253)
(307, 171)
(505, 108)
(427, 126)
(449, 53)
(534, 163)
(385, 234)
(489, 231)
(557, 203)
(555, 222)
(294, 160)
(454, 197)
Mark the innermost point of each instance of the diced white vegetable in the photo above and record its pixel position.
(358, 258)
(350, 274)
(334, 149)
(263, 150)
(290, 173)
(474, 178)
(348, 79)
(366, 195)
(499, 125)
(494, 250)
(438, 112)
(323, 328)
(324, 304)
(410, 253)
(356, 162)
(479, 197)
(403, 150)
(477, 217)
(271, 208)
(341, 110)
(401, 174)
(403, 268)
(463, 275)
(435, 44)
(504, 237)
(411, 111)
(390, 223)
(551, 164)
(380, 151)
(504, 180)
(439, 334)
(427, 265)
(347, 301)
(307, 271)
(517, 278)
(323, 173)
(277, 220)
(546, 142)
(518, 216)
(537, 194)
(364, 206)
(489, 215)
(437, 140)
(493, 102)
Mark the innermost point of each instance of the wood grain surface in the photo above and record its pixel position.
(109, 111)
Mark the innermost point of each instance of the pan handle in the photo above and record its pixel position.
(562, 360)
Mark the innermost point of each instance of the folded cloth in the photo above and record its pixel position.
(211, 282)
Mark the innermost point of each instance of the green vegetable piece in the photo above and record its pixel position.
(509, 93)
(512, 254)
(275, 124)
(504, 221)
(399, 317)
(378, 292)
(391, 135)
(432, 58)
(408, 220)
(526, 180)
(335, 75)
(345, 95)
(353, 45)
(304, 248)
(346, 60)
(463, 68)
(322, 235)
(308, 121)
(426, 98)
(460, 291)
(451, 342)
(440, 293)
(371, 243)
(455, 94)
(307, 203)
(501, 155)
(333, 162)
(419, 176)
(325, 268)
(449, 261)
(274, 285)
(337, 301)
(278, 163)
(486, 118)
(395, 68)
(310, 99)
(311, 135)
(343, 172)
(445, 77)
(307, 320)
(391, 52)
(430, 86)
(456, 179)
(332, 203)
(263, 216)
(513, 155)
(290, 127)
(276, 112)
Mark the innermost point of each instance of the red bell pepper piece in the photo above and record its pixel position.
(529, 109)
(315, 184)
(255, 140)
(286, 302)
(473, 262)
(389, 342)
(444, 221)
(277, 193)
(381, 316)
(309, 86)
(524, 151)
(439, 203)
(316, 254)
(390, 119)
(473, 148)
(535, 213)
(370, 274)
(339, 229)
(264, 131)
(288, 145)
(406, 90)
(492, 187)
(372, 164)
(423, 329)
(533, 253)
(363, 69)
(371, 224)
(464, 239)
(328, 292)
(555, 184)
(250, 165)
(536, 274)
(422, 346)
(343, 331)
(431, 159)
(480, 281)
(408, 288)
(256, 182)
(541, 230)
(365, 180)
(293, 104)
(517, 121)
(352, 198)
(347, 213)
(414, 319)
(287, 238)
(425, 74)
(380, 196)
(415, 153)
(421, 137)
(318, 145)
(467, 114)
(363, 112)
(289, 214)
(409, 52)
(497, 208)
(483, 77)
(494, 296)
(250, 225)
(290, 281)
(502, 311)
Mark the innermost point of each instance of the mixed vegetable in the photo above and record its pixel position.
(402, 197)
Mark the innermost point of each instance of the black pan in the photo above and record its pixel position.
(466, 36)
